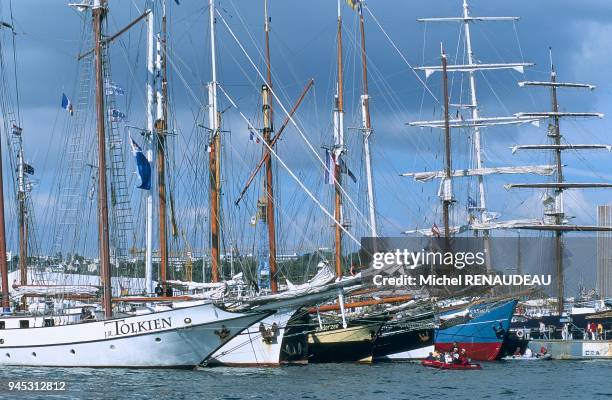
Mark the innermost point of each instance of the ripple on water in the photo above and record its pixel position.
(566, 379)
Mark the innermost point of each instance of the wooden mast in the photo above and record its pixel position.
(23, 221)
(161, 128)
(214, 153)
(6, 305)
(337, 151)
(267, 136)
(556, 136)
(214, 206)
(446, 191)
(98, 15)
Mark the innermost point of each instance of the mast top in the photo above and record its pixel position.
(466, 17)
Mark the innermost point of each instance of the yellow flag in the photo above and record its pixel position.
(353, 3)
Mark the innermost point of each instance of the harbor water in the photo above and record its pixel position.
(511, 380)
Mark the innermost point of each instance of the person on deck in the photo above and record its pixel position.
(565, 331)
(542, 330)
(593, 328)
(600, 331)
(159, 290)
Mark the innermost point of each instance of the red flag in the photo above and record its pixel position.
(435, 230)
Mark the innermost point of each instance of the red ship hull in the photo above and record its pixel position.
(475, 351)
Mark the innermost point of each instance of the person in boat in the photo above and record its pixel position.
(517, 352)
(448, 358)
(463, 358)
(159, 290)
(543, 352)
(430, 357)
(528, 353)
(455, 355)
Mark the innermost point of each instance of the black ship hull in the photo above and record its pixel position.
(351, 344)
(405, 339)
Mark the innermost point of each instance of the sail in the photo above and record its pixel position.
(559, 185)
(552, 114)
(480, 122)
(429, 232)
(508, 224)
(519, 67)
(18, 292)
(561, 147)
(557, 84)
(545, 170)
(323, 276)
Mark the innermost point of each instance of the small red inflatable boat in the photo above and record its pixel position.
(443, 365)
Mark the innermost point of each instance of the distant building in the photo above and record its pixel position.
(604, 252)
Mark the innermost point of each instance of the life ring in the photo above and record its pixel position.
(520, 333)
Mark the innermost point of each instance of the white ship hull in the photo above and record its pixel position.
(415, 354)
(182, 337)
(251, 348)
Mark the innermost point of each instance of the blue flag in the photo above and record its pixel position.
(67, 104)
(114, 89)
(144, 167)
(345, 170)
(116, 115)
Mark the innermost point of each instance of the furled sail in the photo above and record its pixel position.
(559, 185)
(545, 170)
(519, 67)
(561, 147)
(480, 122)
(18, 292)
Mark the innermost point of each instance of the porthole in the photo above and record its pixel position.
(112, 346)
(8, 355)
(158, 339)
(34, 353)
(72, 351)
(187, 320)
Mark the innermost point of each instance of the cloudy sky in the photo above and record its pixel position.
(49, 35)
